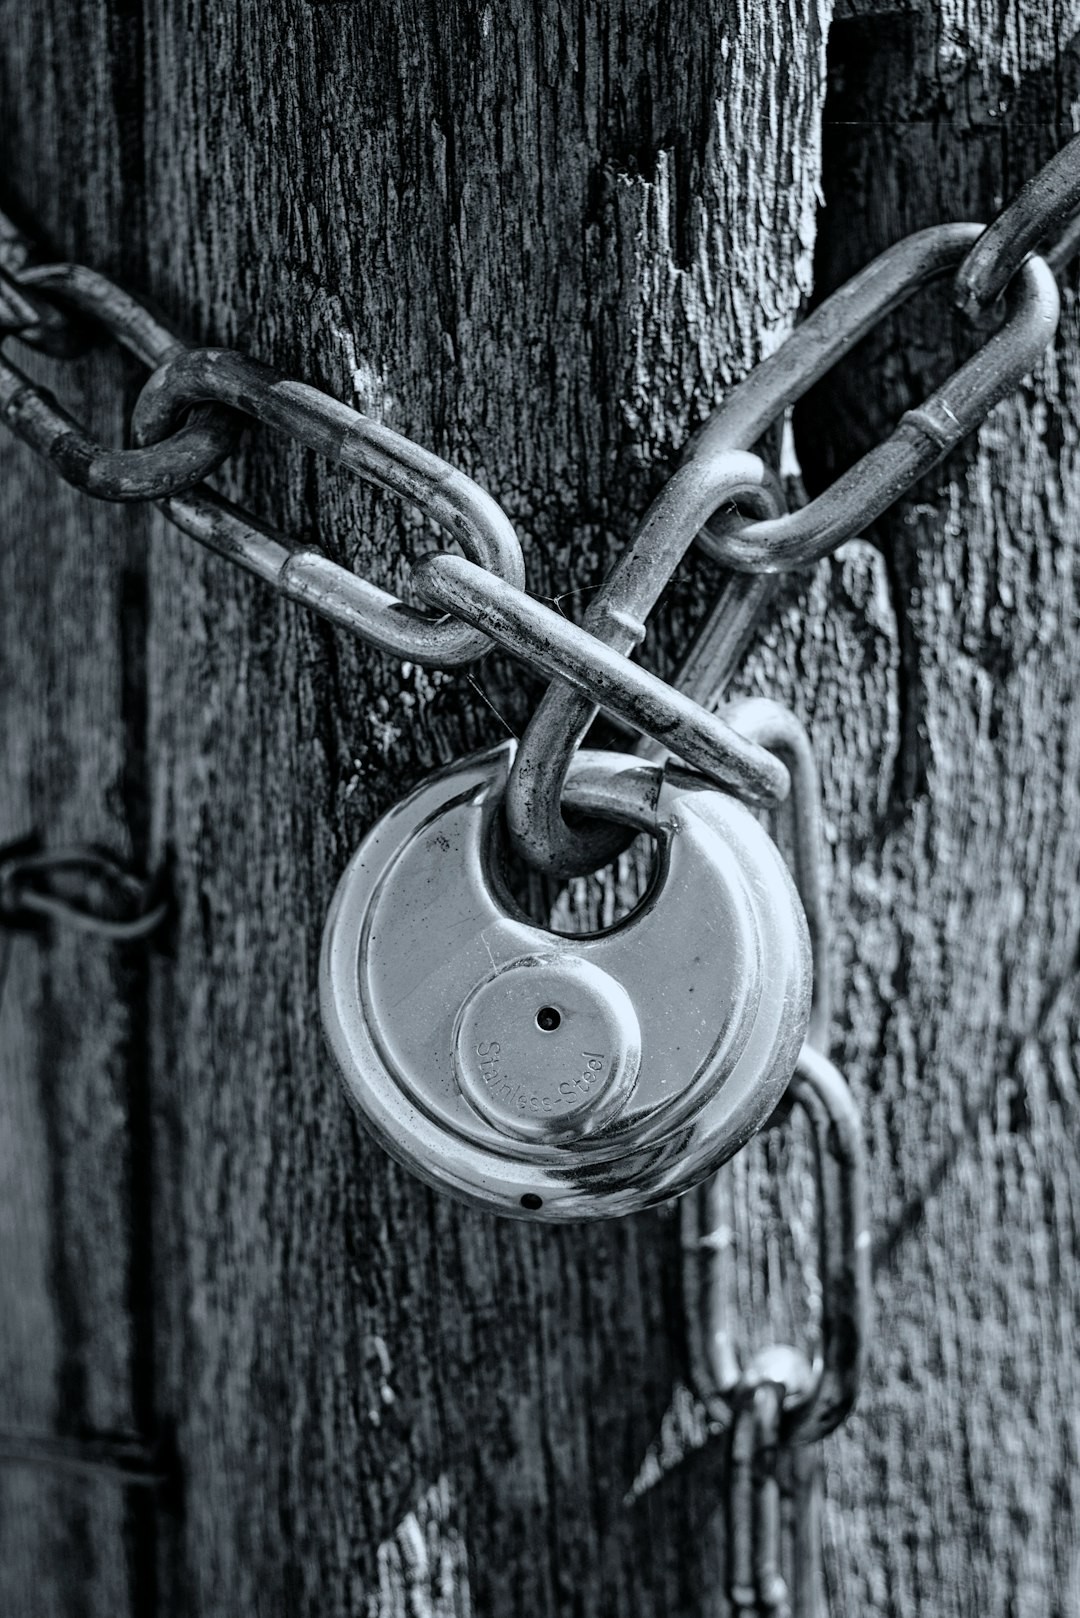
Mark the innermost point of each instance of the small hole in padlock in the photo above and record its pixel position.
(548, 1019)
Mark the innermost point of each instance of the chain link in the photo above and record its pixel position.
(719, 481)
(604, 678)
(197, 448)
(776, 541)
(313, 418)
(817, 1404)
(36, 322)
(925, 434)
(784, 1399)
(1044, 208)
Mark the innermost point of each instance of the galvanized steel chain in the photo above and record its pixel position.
(774, 542)
(186, 421)
(785, 1398)
(171, 456)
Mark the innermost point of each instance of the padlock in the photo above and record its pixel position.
(553, 1077)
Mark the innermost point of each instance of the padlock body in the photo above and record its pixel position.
(441, 1003)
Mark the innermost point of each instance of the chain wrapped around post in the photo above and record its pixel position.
(180, 458)
(173, 453)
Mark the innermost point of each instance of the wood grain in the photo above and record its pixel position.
(542, 241)
(954, 1490)
(498, 245)
(76, 1260)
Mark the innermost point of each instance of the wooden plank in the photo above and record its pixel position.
(958, 900)
(75, 1351)
(506, 240)
(78, 1261)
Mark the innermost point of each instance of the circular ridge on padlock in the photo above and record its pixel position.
(547, 1048)
(714, 963)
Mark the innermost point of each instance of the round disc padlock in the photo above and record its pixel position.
(551, 1077)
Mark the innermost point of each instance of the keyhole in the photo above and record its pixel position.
(547, 1019)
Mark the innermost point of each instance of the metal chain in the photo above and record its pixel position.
(185, 424)
(171, 454)
(36, 322)
(196, 449)
(778, 1403)
(779, 1382)
(764, 547)
(799, 1397)
(724, 480)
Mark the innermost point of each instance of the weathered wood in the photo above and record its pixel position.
(542, 242)
(953, 1491)
(76, 1345)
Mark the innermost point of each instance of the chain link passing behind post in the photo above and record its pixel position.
(80, 887)
(200, 444)
(92, 892)
(36, 322)
(179, 459)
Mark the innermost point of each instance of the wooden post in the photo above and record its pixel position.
(955, 788)
(542, 241)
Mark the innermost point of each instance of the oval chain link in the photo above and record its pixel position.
(324, 424)
(720, 480)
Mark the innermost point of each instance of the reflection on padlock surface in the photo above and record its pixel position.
(563, 1078)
